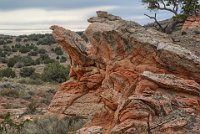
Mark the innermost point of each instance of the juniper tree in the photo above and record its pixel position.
(180, 9)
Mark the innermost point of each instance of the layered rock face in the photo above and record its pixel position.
(192, 22)
(128, 80)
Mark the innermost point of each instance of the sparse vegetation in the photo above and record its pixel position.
(55, 72)
(44, 125)
(27, 71)
(7, 72)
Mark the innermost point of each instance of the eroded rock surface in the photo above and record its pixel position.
(192, 22)
(128, 80)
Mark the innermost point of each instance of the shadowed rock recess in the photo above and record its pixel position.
(128, 80)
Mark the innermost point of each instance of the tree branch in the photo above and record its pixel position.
(156, 21)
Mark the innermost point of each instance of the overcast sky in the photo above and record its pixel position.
(36, 16)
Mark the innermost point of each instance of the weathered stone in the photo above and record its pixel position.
(128, 79)
(192, 22)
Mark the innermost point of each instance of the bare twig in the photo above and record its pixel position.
(156, 21)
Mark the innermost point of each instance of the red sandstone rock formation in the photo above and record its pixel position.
(128, 80)
(192, 22)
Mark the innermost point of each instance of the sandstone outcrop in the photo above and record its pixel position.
(192, 22)
(128, 80)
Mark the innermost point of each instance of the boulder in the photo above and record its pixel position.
(128, 79)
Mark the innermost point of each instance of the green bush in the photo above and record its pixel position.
(8, 126)
(2, 53)
(7, 48)
(55, 72)
(12, 61)
(42, 51)
(58, 51)
(26, 71)
(53, 125)
(63, 59)
(18, 39)
(24, 61)
(10, 93)
(27, 60)
(44, 59)
(46, 40)
(8, 72)
(2, 42)
(24, 49)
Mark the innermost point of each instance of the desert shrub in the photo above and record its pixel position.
(31, 81)
(17, 45)
(3, 60)
(44, 59)
(7, 72)
(24, 61)
(63, 59)
(33, 53)
(2, 53)
(55, 72)
(10, 92)
(58, 51)
(2, 42)
(27, 60)
(8, 126)
(53, 125)
(12, 61)
(35, 76)
(7, 48)
(9, 41)
(42, 51)
(32, 107)
(27, 71)
(35, 37)
(18, 39)
(14, 50)
(47, 40)
(24, 49)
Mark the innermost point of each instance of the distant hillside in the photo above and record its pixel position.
(33, 50)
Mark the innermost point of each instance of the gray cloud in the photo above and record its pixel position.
(60, 4)
(23, 16)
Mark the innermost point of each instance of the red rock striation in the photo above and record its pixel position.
(128, 80)
(192, 22)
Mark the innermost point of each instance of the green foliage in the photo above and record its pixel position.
(2, 42)
(33, 53)
(55, 72)
(9, 126)
(32, 107)
(47, 40)
(7, 72)
(24, 49)
(31, 81)
(12, 61)
(44, 59)
(42, 51)
(25, 61)
(18, 39)
(6, 48)
(10, 92)
(63, 59)
(27, 71)
(58, 51)
(180, 8)
(53, 125)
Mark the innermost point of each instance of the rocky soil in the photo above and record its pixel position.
(24, 101)
(128, 79)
